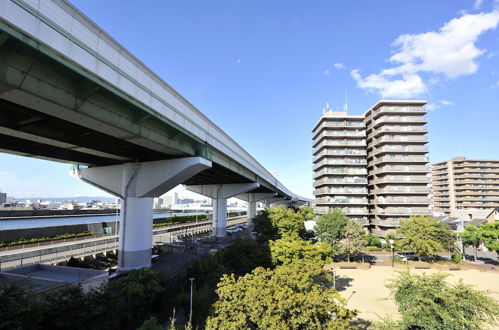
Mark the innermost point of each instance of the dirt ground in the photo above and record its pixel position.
(366, 290)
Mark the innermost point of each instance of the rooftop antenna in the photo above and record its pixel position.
(326, 109)
(345, 106)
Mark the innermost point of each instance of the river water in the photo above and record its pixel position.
(60, 221)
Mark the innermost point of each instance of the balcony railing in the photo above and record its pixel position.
(401, 139)
(342, 181)
(403, 200)
(403, 211)
(398, 109)
(338, 200)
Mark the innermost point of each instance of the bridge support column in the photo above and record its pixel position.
(219, 193)
(252, 199)
(136, 184)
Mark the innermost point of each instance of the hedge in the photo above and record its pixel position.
(178, 219)
(44, 239)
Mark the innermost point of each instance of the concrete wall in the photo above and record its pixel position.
(6, 213)
(96, 228)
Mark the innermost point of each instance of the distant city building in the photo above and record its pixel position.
(3, 198)
(373, 166)
(465, 188)
(175, 198)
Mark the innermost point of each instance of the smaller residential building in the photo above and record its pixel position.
(465, 188)
(493, 216)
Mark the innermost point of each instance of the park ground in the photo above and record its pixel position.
(366, 290)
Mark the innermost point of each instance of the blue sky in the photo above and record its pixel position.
(263, 71)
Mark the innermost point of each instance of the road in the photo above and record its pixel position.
(57, 252)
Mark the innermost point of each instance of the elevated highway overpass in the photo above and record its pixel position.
(69, 92)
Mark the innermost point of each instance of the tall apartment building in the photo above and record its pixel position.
(466, 188)
(373, 166)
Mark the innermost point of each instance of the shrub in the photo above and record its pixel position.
(456, 258)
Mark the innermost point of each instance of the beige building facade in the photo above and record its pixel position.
(465, 188)
(373, 166)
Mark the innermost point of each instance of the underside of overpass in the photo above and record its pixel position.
(54, 111)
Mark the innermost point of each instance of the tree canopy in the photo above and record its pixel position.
(353, 241)
(289, 249)
(277, 222)
(425, 236)
(489, 233)
(471, 237)
(331, 226)
(429, 302)
(292, 296)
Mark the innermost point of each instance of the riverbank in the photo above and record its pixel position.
(30, 214)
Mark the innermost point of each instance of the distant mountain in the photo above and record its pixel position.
(79, 199)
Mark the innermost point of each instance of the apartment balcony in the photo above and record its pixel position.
(477, 205)
(486, 193)
(400, 159)
(441, 183)
(486, 199)
(394, 211)
(390, 223)
(401, 169)
(340, 171)
(476, 170)
(341, 162)
(476, 164)
(347, 143)
(342, 181)
(341, 201)
(403, 190)
(400, 179)
(479, 176)
(478, 181)
(400, 149)
(413, 110)
(336, 191)
(403, 200)
(404, 120)
(399, 130)
(405, 139)
(343, 134)
(340, 152)
(458, 187)
(357, 214)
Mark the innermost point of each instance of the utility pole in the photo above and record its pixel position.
(190, 313)
(393, 251)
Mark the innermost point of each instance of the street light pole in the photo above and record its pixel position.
(190, 313)
(393, 251)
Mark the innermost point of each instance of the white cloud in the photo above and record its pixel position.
(431, 106)
(478, 4)
(327, 72)
(339, 66)
(450, 52)
(406, 87)
(446, 102)
(495, 85)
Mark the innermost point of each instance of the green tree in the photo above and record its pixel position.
(331, 226)
(307, 212)
(425, 236)
(489, 233)
(277, 222)
(353, 241)
(140, 290)
(471, 237)
(290, 249)
(372, 240)
(429, 302)
(293, 296)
